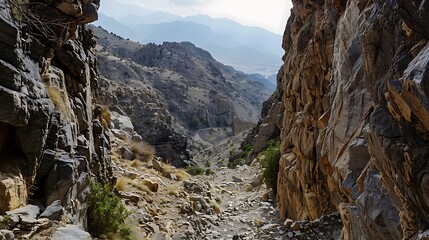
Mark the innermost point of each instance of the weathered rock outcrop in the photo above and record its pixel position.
(50, 140)
(355, 126)
(152, 120)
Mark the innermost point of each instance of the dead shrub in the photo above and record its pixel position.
(143, 150)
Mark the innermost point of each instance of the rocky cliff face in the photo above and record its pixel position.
(51, 139)
(355, 126)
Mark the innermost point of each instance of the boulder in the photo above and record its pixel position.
(71, 232)
(53, 211)
(13, 191)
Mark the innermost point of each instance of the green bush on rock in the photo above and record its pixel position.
(269, 159)
(106, 212)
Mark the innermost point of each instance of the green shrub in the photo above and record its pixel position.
(269, 159)
(195, 170)
(234, 163)
(106, 212)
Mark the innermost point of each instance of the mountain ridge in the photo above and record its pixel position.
(229, 41)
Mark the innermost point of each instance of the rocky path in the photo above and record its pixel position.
(227, 204)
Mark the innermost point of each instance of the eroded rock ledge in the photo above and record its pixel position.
(355, 125)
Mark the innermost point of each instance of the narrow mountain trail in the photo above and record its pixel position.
(166, 203)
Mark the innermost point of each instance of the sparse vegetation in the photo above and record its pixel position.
(106, 212)
(241, 158)
(179, 173)
(143, 150)
(136, 163)
(59, 100)
(269, 159)
(195, 170)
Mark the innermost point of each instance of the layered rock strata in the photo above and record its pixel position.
(355, 126)
(50, 140)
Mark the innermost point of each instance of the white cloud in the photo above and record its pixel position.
(269, 14)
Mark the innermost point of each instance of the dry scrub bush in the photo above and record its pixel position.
(180, 174)
(105, 118)
(122, 183)
(143, 150)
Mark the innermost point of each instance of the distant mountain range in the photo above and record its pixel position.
(248, 49)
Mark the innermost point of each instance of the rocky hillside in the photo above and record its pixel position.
(355, 122)
(182, 89)
(51, 138)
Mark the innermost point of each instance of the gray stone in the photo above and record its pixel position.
(30, 210)
(424, 235)
(53, 211)
(71, 232)
(6, 235)
(127, 153)
(236, 179)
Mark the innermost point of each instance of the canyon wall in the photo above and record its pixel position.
(356, 119)
(51, 138)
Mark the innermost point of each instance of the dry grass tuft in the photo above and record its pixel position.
(136, 163)
(142, 187)
(105, 117)
(216, 208)
(181, 175)
(122, 183)
(143, 150)
(59, 100)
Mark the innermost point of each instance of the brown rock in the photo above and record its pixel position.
(152, 185)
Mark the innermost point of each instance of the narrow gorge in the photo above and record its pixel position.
(170, 142)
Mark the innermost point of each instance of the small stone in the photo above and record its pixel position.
(236, 179)
(288, 223)
(290, 234)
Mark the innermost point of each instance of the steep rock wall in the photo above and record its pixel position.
(50, 139)
(354, 135)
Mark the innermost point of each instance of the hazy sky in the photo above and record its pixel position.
(269, 14)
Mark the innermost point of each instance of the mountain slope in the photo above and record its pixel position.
(199, 92)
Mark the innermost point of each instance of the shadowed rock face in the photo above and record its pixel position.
(355, 122)
(50, 140)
